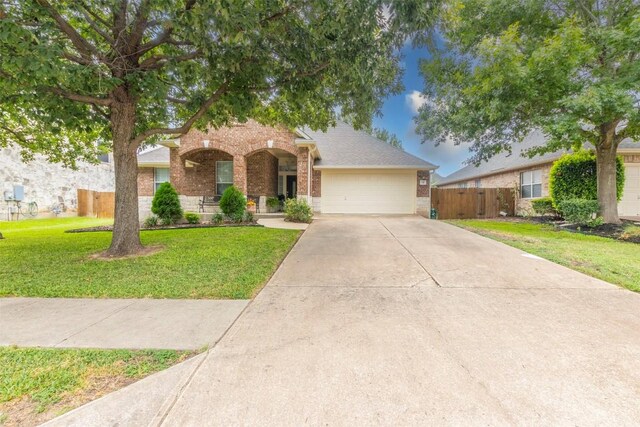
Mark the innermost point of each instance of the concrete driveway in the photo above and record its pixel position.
(406, 321)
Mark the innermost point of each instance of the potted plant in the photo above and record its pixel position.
(273, 204)
(251, 206)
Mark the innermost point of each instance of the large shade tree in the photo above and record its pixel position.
(84, 76)
(567, 67)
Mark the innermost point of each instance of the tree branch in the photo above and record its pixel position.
(157, 62)
(165, 36)
(189, 123)
(93, 24)
(86, 99)
(85, 48)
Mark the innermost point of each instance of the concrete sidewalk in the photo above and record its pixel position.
(115, 323)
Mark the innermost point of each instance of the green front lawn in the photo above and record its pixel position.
(40, 260)
(607, 259)
(37, 384)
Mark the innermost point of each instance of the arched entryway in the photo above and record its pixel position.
(271, 173)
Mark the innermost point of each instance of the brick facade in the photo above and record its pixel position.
(262, 174)
(250, 146)
(423, 190)
(145, 181)
(316, 185)
(200, 179)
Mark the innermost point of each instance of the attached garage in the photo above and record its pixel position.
(629, 205)
(356, 173)
(369, 191)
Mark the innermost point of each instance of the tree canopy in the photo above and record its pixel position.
(85, 76)
(567, 67)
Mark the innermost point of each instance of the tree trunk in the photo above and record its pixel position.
(606, 153)
(126, 230)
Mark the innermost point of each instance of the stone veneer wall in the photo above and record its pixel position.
(43, 181)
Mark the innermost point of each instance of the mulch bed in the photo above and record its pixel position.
(610, 231)
(167, 227)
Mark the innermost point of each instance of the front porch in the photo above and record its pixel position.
(209, 172)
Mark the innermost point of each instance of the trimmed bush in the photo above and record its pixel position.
(217, 218)
(166, 204)
(233, 202)
(192, 218)
(573, 176)
(543, 206)
(581, 212)
(297, 211)
(248, 216)
(151, 221)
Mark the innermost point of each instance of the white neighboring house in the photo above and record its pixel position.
(44, 181)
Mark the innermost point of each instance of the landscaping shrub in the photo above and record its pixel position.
(217, 218)
(151, 221)
(192, 218)
(297, 211)
(543, 206)
(237, 217)
(233, 202)
(581, 212)
(573, 176)
(166, 204)
(248, 216)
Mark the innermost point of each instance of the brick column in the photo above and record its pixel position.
(303, 173)
(240, 173)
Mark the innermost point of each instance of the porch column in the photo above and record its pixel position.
(240, 173)
(303, 172)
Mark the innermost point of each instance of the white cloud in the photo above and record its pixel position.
(415, 100)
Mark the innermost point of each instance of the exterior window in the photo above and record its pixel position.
(224, 176)
(462, 185)
(104, 158)
(478, 183)
(531, 184)
(160, 176)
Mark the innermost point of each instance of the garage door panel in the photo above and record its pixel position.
(629, 205)
(368, 192)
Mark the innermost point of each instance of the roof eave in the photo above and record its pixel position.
(405, 167)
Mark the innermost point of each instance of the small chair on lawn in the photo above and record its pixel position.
(206, 201)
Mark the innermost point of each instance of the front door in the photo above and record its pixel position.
(292, 185)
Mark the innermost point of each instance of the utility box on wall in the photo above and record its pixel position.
(18, 193)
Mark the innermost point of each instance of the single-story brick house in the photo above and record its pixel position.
(531, 175)
(338, 171)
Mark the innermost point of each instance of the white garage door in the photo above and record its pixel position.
(372, 191)
(630, 203)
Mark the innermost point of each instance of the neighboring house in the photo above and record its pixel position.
(530, 176)
(338, 171)
(46, 183)
(436, 179)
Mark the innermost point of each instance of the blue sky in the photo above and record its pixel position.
(398, 113)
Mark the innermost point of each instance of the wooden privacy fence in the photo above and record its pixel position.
(469, 203)
(95, 203)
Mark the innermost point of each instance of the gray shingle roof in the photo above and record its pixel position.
(344, 147)
(505, 162)
(157, 155)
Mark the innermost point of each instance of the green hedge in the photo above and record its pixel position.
(166, 204)
(573, 176)
(233, 202)
(543, 206)
(581, 212)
